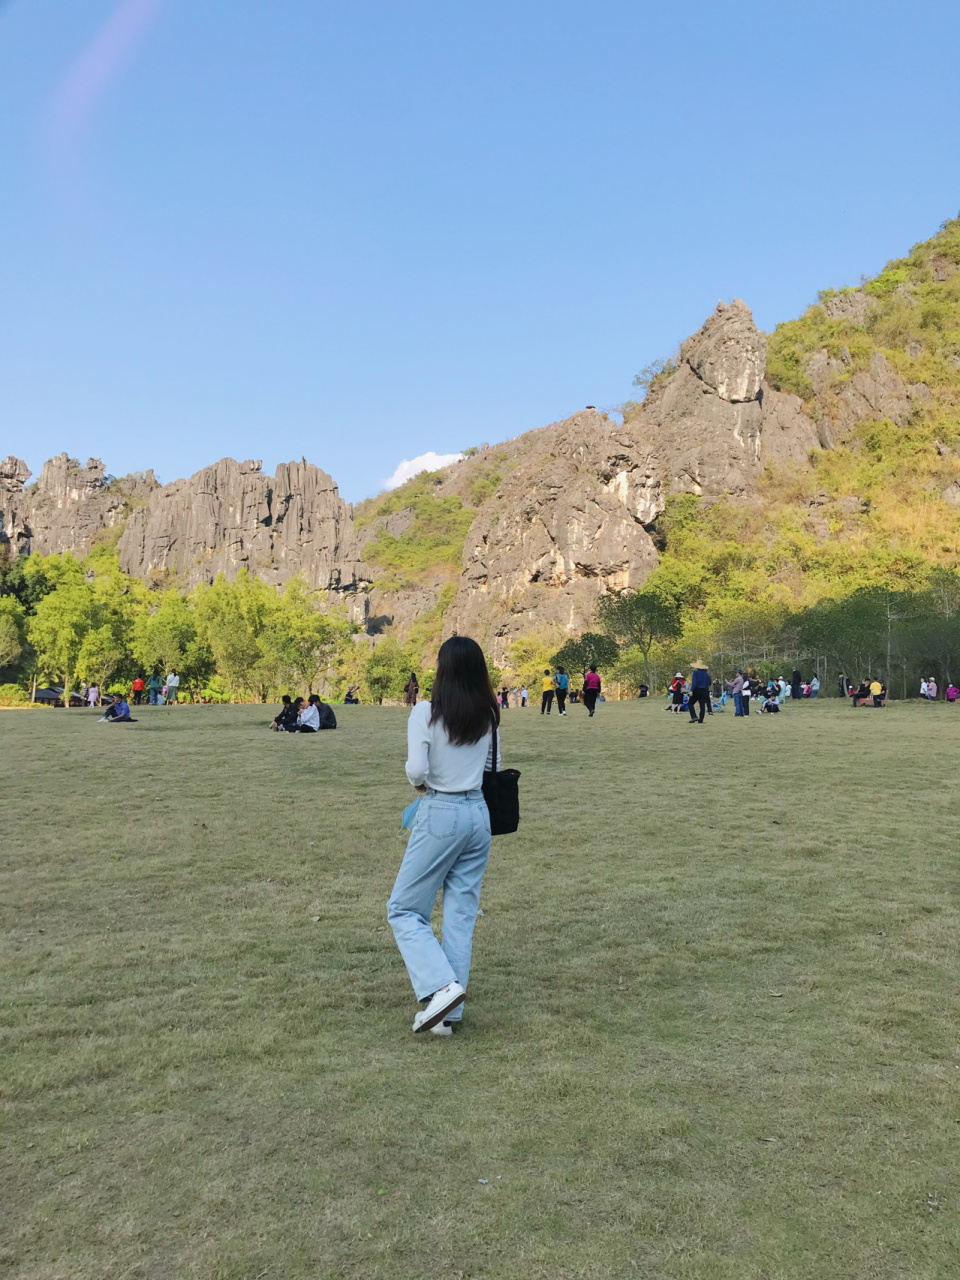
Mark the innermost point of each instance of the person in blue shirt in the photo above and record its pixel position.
(119, 712)
(699, 692)
(562, 682)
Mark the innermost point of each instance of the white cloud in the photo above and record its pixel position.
(411, 467)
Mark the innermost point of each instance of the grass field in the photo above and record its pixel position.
(711, 1033)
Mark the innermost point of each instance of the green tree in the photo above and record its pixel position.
(59, 627)
(99, 656)
(640, 618)
(232, 618)
(588, 650)
(387, 670)
(167, 636)
(304, 641)
(13, 630)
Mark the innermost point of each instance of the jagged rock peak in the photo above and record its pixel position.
(729, 353)
(230, 516)
(64, 475)
(14, 474)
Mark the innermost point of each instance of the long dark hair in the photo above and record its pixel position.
(462, 698)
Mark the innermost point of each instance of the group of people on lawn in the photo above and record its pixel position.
(297, 716)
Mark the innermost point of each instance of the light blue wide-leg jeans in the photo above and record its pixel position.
(449, 846)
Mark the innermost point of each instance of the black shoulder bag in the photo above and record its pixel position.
(502, 794)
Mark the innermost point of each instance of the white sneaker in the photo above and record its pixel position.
(442, 1029)
(441, 1002)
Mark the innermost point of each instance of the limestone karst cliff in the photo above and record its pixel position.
(231, 516)
(532, 530)
(561, 514)
(572, 519)
(68, 507)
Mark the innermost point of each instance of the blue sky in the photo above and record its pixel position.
(361, 231)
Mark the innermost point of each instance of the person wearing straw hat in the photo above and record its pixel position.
(699, 692)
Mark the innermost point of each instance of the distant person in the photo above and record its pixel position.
(591, 690)
(547, 691)
(138, 687)
(796, 682)
(504, 699)
(877, 692)
(923, 687)
(562, 682)
(286, 721)
(676, 693)
(524, 695)
(861, 693)
(699, 692)
(770, 705)
(155, 686)
(325, 715)
(350, 698)
(411, 690)
(952, 692)
(118, 712)
(643, 691)
(736, 692)
(932, 690)
(93, 696)
(451, 740)
(173, 686)
(815, 687)
(746, 693)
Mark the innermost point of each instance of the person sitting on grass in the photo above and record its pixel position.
(325, 716)
(286, 721)
(118, 712)
(350, 697)
(770, 704)
(308, 718)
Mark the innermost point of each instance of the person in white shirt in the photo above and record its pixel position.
(173, 686)
(308, 719)
(450, 741)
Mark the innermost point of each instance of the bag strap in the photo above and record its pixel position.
(494, 743)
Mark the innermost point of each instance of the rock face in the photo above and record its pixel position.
(850, 305)
(873, 393)
(714, 425)
(569, 520)
(728, 353)
(231, 516)
(564, 527)
(68, 507)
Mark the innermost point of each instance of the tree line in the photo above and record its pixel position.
(67, 621)
(899, 635)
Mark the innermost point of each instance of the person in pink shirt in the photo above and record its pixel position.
(591, 690)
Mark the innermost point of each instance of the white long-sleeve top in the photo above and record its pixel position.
(309, 716)
(434, 760)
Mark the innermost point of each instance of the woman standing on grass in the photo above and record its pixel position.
(450, 741)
